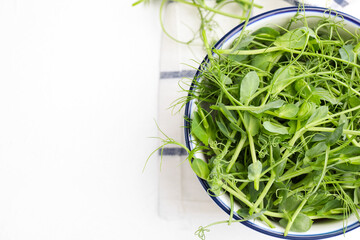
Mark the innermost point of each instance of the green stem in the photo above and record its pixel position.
(323, 170)
(247, 202)
(243, 185)
(243, 108)
(207, 46)
(353, 160)
(355, 143)
(231, 208)
(291, 174)
(214, 10)
(263, 193)
(327, 129)
(268, 184)
(258, 92)
(254, 159)
(236, 153)
(321, 121)
(342, 146)
(252, 148)
(274, 214)
(341, 83)
(248, 52)
(293, 217)
(163, 27)
(292, 142)
(283, 159)
(244, 27)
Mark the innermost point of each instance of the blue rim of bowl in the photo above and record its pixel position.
(188, 137)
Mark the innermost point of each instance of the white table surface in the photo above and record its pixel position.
(78, 95)
(78, 99)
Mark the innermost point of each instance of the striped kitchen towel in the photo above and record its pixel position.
(179, 191)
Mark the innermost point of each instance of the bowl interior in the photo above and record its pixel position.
(280, 17)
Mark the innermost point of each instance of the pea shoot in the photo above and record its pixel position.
(277, 119)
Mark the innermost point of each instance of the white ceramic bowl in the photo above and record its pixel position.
(280, 17)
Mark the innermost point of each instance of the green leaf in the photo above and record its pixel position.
(356, 196)
(244, 213)
(324, 95)
(198, 130)
(306, 90)
(245, 42)
(266, 32)
(343, 120)
(306, 110)
(271, 105)
(211, 130)
(282, 79)
(347, 53)
(349, 151)
(249, 85)
(332, 216)
(236, 127)
(254, 170)
(303, 87)
(253, 193)
(319, 137)
(329, 206)
(225, 79)
(237, 58)
(275, 128)
(348, 167)
(287, 111)
(302, 223)
(294, 39)
(316, 150)
(229, 116)
(335, 136)
(222, 127)
(348, 179)
(251, 123)
(319, 198)
(309, 180)
(201, 168)
(290, 204)
(279, 169)
(263, 61)
(237, 167)
(314, 44)
(309, 31)
(354, 101)
(292, 126)
(318, 114)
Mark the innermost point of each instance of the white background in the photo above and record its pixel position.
(78, 99)
(78, 95)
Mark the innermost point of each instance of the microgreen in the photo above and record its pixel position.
(293, 103)
(249, 85)
(277, 120)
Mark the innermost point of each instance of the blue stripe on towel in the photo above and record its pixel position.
(173, 152)
(177, 74)
(342, 3)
